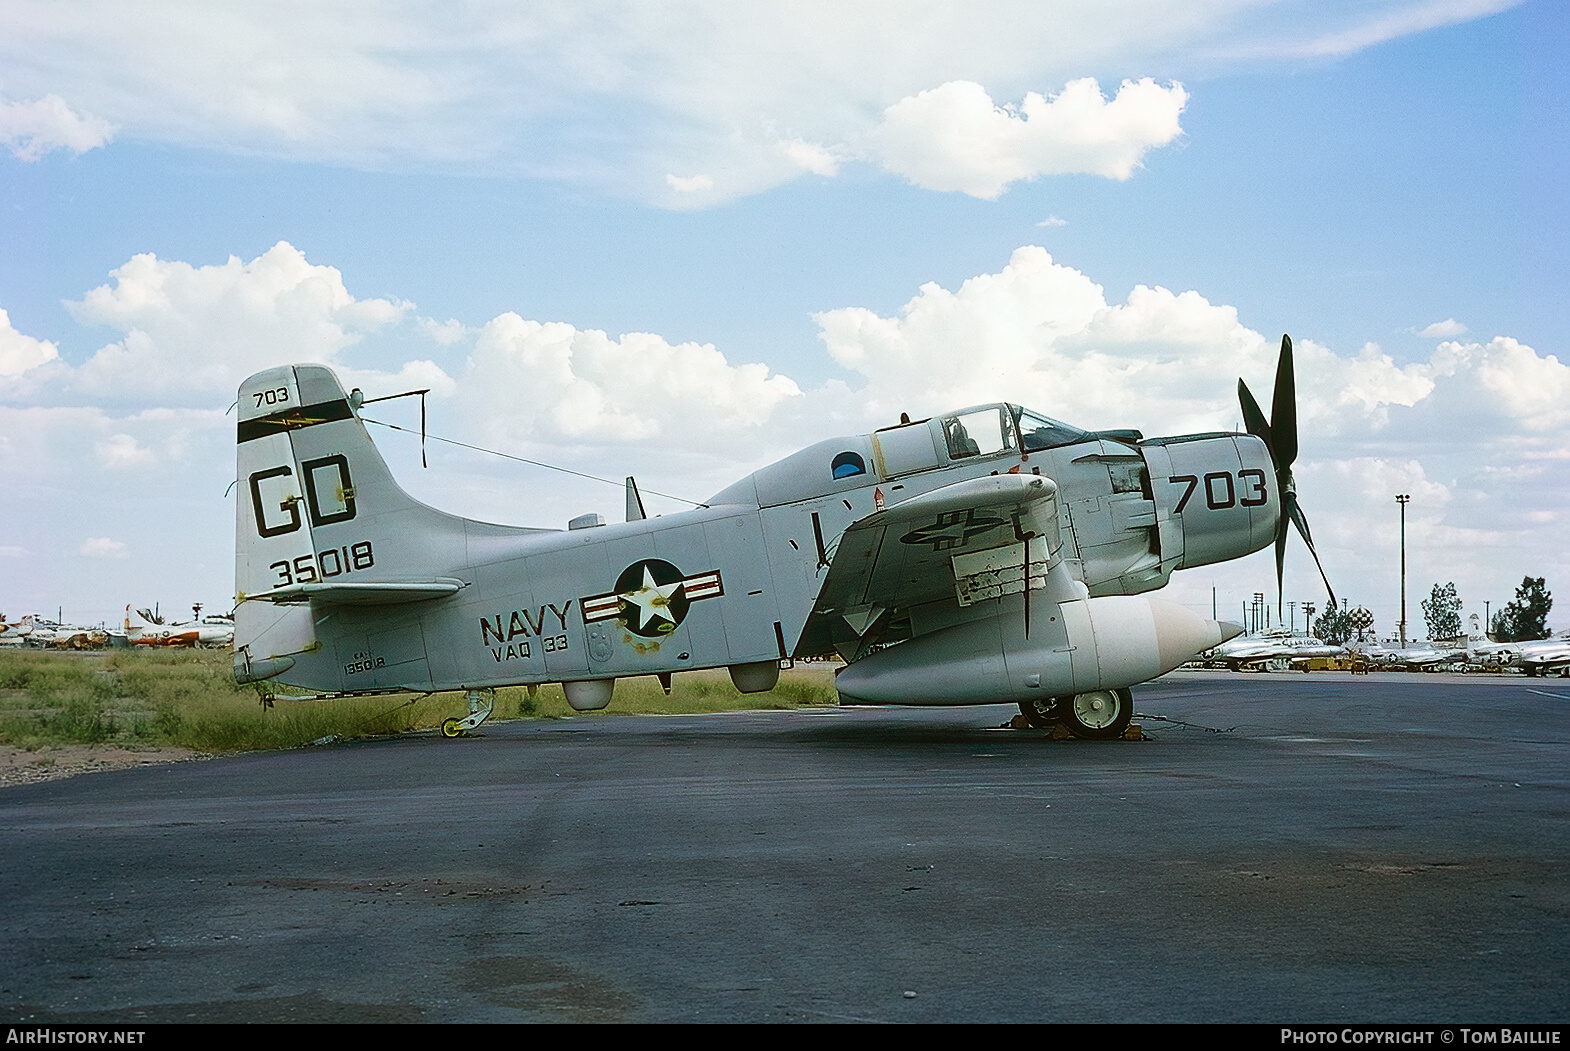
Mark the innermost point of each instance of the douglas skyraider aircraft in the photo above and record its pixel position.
(982, 556)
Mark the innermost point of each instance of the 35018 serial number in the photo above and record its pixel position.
(324, 565)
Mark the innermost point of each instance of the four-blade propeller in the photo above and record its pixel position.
(1279, 434)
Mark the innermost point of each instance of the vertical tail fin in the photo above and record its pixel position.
(333, 560)
(316, 508)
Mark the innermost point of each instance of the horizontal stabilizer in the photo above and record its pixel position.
(362, 593)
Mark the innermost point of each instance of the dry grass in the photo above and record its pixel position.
(188, 698)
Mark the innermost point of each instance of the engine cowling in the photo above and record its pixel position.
(1215, 497)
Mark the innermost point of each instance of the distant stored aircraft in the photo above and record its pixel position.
(1482, 650)
(1254, 651)
(15, 633)
(1545, 656)
(54, 635)
(986, 555)
(143, 627)
(1415, 656)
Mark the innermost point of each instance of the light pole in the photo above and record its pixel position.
(1402, 499)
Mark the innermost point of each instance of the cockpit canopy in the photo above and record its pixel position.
(991, 429)
(1043, 432)
(980, 432)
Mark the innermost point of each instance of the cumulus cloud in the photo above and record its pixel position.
(18, 352)
(689, 183)
(122, 450)
(444, 333)
(620, 94)
(412, 376)
(1443, 329)
(201, 329)
(31, 129)
(1042, 333)
(40, 445)
(1371, 382)
(102, 547)
(531, 380)
(954, 137)
(819, 160)
(1531, 388)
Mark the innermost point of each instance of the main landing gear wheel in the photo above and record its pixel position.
(1100, 715)
(1041, 713)
(450, 728)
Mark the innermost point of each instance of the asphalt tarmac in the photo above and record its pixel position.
(1389, 848)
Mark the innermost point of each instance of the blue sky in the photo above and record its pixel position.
(832, 204)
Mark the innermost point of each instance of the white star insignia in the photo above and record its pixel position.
(653, 600)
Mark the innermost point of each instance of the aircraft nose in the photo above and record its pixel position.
(1181, 633)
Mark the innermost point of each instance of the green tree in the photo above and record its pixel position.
(1525, 618)
(1334, 627)
(1442, 612)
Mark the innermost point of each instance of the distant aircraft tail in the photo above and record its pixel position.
(141, 617)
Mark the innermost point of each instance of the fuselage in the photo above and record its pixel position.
(733, 583)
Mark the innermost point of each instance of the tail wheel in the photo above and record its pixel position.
(450, 728)
(1100, 715)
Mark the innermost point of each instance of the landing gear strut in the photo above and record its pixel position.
(481, 703)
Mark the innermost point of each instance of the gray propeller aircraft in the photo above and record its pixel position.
(982, 556)
(1546, 656)
(1272, 648)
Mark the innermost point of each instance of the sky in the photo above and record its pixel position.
(681, 240)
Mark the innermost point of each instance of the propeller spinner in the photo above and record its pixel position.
(1279, 434)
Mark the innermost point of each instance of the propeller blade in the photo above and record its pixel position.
(1281, 557)
(1300, 520)
(1283, 409)
(1279, 433)
(1253, 417)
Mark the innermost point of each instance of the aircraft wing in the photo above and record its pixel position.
(918, 550)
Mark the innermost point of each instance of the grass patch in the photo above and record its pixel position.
(189, 699)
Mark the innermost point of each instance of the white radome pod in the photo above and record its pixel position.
(589, 695)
